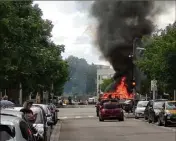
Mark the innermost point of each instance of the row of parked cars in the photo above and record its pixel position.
(14, 126)
(159, 111)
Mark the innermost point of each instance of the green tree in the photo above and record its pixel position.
(158, 61)
(28, 55)
(82, 76)
(105, 84)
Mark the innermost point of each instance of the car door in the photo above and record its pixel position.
(162, 113)
(25, 131)
(150, 111)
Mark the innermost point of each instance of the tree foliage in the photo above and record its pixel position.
(106, 84)
(82, 76)
(28, 55)
(158, 61)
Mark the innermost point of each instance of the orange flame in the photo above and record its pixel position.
(121, 91)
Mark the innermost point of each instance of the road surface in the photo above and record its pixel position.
(81, 124)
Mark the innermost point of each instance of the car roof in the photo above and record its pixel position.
(142, 101)
(9, 120)
(11, 111)
(36, 109)
(17, 108)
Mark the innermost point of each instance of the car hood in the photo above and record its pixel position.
(39, 127)
(140, 109)
(171, 111)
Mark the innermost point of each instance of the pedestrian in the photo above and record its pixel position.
(28, 114)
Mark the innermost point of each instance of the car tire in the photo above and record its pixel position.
(101, 119)
(145, 118)
(97, 114)
(149, 120)
(159, 122)
(121, 119)
(165, 123)
(136, 117)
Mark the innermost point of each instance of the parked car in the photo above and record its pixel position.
(13, 112)
(14, 128)
(111, 111)
(149, 105)
(167, 115)
(139, 111)
(47, 112)
(54, 111)
(154, 111)
(128, 106)
(41, 124)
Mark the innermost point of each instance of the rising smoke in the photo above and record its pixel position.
(119, 23)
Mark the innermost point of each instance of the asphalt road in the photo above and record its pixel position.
(81, 124)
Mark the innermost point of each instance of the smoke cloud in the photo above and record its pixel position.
(119, 23)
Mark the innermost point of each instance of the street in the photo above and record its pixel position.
(81, 124)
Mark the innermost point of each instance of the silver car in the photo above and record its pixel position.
(13, 128)
(41, 124)
(47, 111)
(139, 111)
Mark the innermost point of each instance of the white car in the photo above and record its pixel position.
(139, 111)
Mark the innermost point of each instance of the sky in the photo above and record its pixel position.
(75, 28)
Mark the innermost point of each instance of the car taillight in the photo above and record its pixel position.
(29, 132)
(103, 110)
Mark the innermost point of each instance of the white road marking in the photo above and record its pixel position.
(77, 117)
(63, 117)
(91, 116)
(167, 128)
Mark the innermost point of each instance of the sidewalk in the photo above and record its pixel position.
(56, 131)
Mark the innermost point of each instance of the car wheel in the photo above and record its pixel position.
(145, 118)
(101, 119)
(165, 123)
(136, 117)
(149, 120)
(153, 119)
(97, 114)
(159, 122)
(121, 119)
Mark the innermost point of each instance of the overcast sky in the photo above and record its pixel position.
(74, 27)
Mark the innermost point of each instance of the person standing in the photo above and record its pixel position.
(29, 116)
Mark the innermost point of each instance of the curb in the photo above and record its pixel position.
(56, 132)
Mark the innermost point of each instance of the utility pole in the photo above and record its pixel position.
(20, 94)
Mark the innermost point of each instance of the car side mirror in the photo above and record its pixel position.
(57, 110)
(50, 123)
(48, 115)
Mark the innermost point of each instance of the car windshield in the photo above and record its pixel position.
(6, 133)
(171, 105)
(111, 106)
(158, 105)
(142, 103)
(39, 119)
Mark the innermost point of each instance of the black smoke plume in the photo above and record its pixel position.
(119, 23)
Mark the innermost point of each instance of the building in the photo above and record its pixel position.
(103, 72)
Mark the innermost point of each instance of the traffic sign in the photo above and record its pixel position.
(153, 85)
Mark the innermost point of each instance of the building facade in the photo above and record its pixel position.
(103, 72)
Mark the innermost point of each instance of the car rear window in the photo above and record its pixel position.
(111, 106)
(158, 104)
(6, 133)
